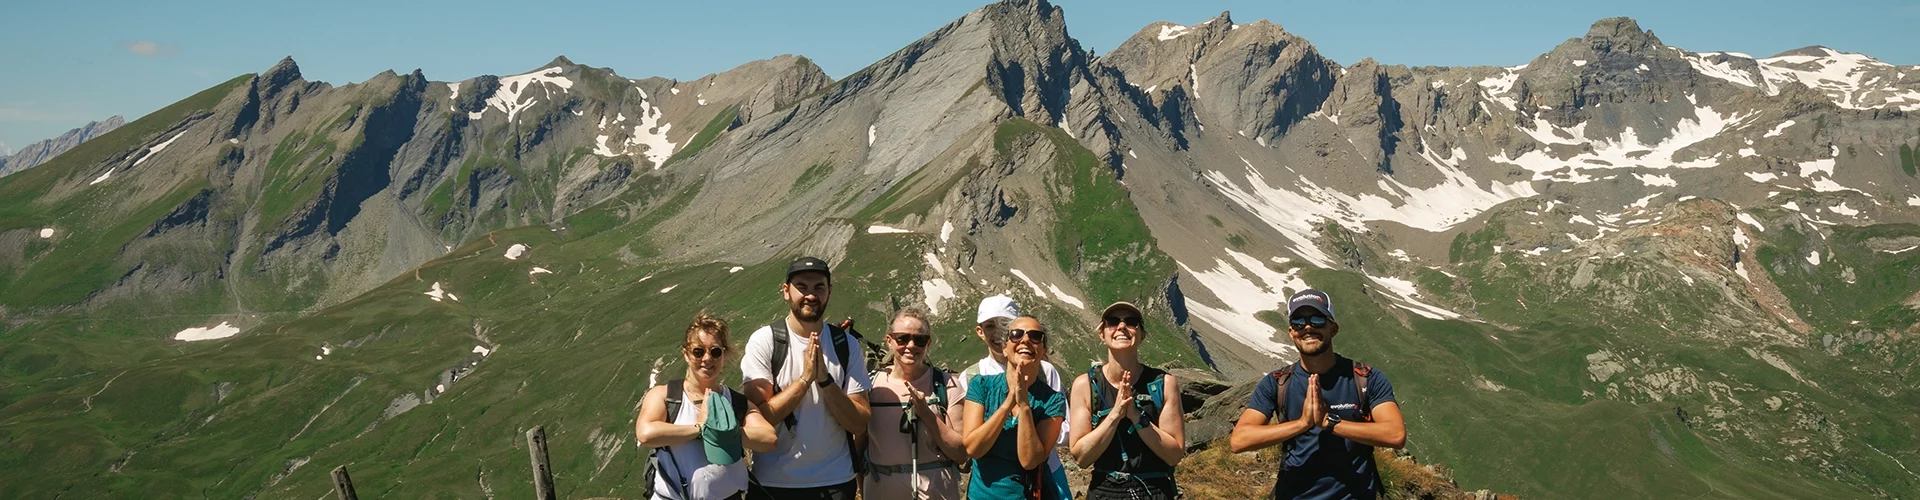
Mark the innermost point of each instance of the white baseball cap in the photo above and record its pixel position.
(998, 306)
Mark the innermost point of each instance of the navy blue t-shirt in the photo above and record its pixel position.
(1320, 465)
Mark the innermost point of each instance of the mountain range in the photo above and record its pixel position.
(39, 152)
(1621, 269)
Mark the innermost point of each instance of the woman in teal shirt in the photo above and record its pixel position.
(1012, 423)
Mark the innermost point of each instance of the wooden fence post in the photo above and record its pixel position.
(542, 472)
(342, 484)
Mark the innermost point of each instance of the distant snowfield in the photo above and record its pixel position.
(516, 92)
(1293, 210)
(1037, 291)
(539, 270)
(1244, 286)
(1842, 76)
(514, 252)
(221, 331)
(885, 230)
(1625, 151)
(157, 148)
(1173, 31)
(936, 290)
(46, 233)
(1405, 295)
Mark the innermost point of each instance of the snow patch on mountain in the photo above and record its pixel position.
(1037, 291)
(1402, 293)
(220, 331)
(157, 148)
(1069, 299)
(1625, 151)
(1173, 31)
(936, 290)
(1295, 208)
(885, 230)
(1243, 286)
(1778, 129)
(516, 92)
(514, 252)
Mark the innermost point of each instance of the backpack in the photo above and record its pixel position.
(938, 400)
(1152, 401)
(1149, 402)
(675, 393)
(1360, 373)
(838, 336)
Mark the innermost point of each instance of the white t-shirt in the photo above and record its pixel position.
(987, 366)
(706, 481)
(814, 452)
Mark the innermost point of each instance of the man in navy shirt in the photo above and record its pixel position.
(1330, 413)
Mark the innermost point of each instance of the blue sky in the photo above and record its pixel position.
(65, 63)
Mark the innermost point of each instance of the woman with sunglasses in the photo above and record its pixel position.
(696, 459)
(1011, 423)
(1123, 423)
(913, 439)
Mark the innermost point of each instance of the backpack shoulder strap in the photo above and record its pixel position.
(675, 394)
(1155, 380)
(739, 402)
(778, 361)
(840, 348)
(939, 389)
(1360, 373)
(1282, 377)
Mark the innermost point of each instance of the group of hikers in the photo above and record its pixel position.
(821, 426)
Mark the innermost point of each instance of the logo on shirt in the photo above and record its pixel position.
(1344, 406)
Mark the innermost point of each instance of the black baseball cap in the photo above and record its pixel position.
(806, 264)
(1310, 299)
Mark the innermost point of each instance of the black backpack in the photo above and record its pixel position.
(675, 393)
(838, 337)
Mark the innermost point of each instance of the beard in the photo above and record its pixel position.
(800, 313)
(1322, 348)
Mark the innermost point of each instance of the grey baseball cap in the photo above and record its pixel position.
(1310, 299)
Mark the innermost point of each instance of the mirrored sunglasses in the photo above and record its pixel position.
(1317, 321)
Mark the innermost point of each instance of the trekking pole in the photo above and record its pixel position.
(915, 460)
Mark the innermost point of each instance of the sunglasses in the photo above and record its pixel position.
(1037, 336)
(1316, 321)
(1115, 321)
(702, 352)
(917, 339)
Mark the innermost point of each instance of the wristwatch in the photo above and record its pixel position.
(1333, 419)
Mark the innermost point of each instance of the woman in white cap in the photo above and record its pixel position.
(697, 453)
(1125, 420)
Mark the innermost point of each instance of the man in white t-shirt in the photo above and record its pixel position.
(816, 398)
(991, 326)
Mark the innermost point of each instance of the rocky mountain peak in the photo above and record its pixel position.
(1620, 34)
(560, 61)
(281, 74)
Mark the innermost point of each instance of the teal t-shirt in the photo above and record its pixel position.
(996, 475)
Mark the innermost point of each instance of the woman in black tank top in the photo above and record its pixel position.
(1125, 418)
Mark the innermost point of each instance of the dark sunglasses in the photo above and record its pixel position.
(1302, 321)
(701, 352)
(917, 339)
(1115, 321)
(1037, 336)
